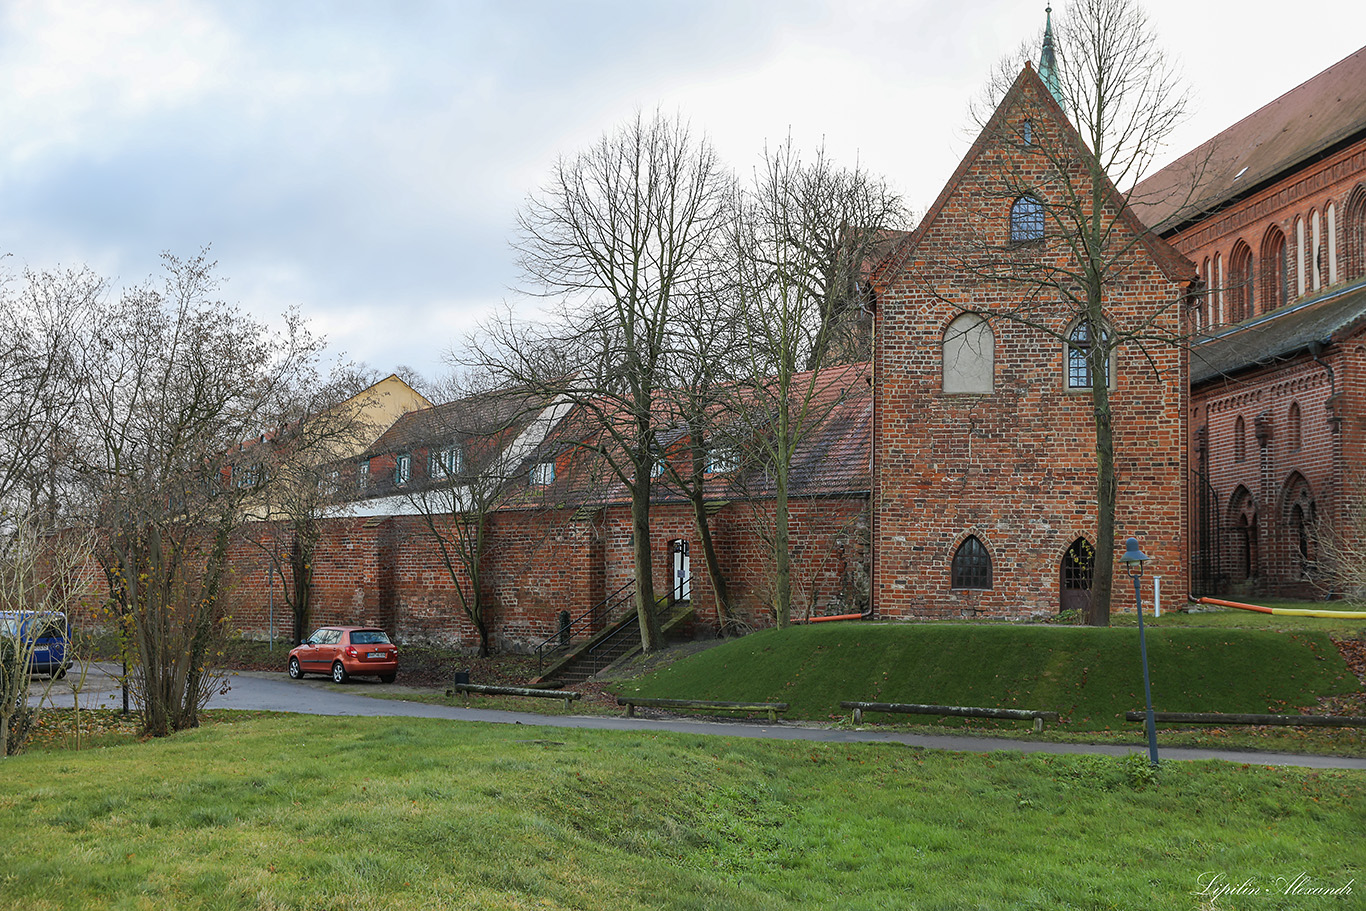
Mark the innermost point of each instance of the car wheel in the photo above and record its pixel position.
(387, 678)
(295, 672)
(339, 674)
(59, 674)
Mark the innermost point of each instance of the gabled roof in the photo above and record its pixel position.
(1279, 335)
(1312, 119)
(832, 458)
(1172, 263)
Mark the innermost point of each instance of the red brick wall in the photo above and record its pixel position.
(1274, 459)
(1015, 467)
(388, 570)
(1311, 189)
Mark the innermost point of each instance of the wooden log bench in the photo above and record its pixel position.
(482, 690)
(1038, 716)
(1316, 721)
(772, 708)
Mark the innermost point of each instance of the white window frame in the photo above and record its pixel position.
(543, 473)
(403, 468)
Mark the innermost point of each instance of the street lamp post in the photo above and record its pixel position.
(1135, 559)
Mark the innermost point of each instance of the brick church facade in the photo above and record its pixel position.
(1277, 225)
(985, 477)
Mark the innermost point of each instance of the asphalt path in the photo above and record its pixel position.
(275, 692)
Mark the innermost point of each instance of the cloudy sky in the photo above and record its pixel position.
(365, 161)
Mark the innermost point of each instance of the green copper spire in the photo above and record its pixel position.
(1048, 61)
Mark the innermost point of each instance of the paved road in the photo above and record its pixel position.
(268, 691)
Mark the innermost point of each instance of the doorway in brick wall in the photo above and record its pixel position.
(682, 572)
(1078, 566)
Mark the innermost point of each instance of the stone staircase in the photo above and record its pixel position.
(619, 641)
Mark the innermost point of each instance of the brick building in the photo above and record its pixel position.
(1273, 210)
(984, 475)
(559, 530)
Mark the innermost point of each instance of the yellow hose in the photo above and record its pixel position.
(1288, 611)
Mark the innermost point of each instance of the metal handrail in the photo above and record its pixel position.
(600, 614)
(594, 654)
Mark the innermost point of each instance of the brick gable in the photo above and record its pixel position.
(1015, 467)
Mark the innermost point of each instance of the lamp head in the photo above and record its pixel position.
(1133, 557)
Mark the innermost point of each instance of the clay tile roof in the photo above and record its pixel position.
(1309, 120)
(1279, 335)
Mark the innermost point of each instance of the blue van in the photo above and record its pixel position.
(47, 633)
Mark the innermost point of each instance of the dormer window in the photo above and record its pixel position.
(543, 474)
(445, 463)
(1026, 220)
(403, 468)
(722, 460)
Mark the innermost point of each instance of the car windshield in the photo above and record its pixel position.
(369, 637)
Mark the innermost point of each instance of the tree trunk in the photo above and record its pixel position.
(301, 572)
(650, 637)
(697, 493)
(1102, 571)
(782, 563)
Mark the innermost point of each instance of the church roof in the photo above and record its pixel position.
(1279, 335)
(1314, 118)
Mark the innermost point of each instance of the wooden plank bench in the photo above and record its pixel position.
(482, 690)
(1038, 716)
(772, 708)
(1317, 721)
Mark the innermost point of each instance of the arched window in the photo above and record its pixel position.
(1275, 277)
(1206, 318)
(1027, 132)
(1082, 350)
(1026, 220)
(969, 355)
(971, 565)
(1243, 535)
(1301, 515)
(1299, 257)
(1218, 303)
(1240, 283)
(1295, 427)
(1239, 440)
(1315, 251)
(1354, 234)
(1332, 219)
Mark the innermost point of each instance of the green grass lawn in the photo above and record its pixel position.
(1091, 676)
(352, 813)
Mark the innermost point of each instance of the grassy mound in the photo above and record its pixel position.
(1091, 676)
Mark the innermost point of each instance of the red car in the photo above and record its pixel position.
(345, 652)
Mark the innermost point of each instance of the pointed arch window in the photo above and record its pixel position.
(1240, 283)
(1296, 427)
(1239, 440)
(1026, 220)
(971, 565)
(1275, 278)
(1354, 233)
(969, 355)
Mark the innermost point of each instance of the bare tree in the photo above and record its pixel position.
(40, 375)
(477, 444)
(181, 380)
(801, 238)
(1074, 238)
(620, 234)
(1341, 546)
(41, 577)
(301, 460)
